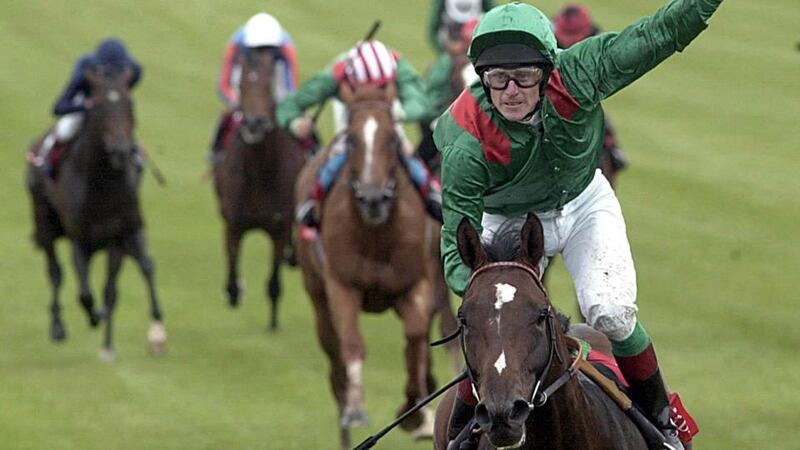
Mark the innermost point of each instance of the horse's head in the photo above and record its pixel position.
(111, 113)
(374, 149)
(508, 327)
(257, 103)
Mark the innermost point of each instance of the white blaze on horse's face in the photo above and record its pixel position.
(504, 294)
(113, 96)
(500, 364)
(369, 130)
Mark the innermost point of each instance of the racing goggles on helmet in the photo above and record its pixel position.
(525, 77)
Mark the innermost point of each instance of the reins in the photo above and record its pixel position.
(538, 398)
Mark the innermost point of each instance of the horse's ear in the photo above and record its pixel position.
(346, 93)
(532, 241)
(469, 245)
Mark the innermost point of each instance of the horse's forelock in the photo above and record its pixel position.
(506, 243)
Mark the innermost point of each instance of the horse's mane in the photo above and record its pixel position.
(505, 246)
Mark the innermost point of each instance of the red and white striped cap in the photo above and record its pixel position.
(370, 62)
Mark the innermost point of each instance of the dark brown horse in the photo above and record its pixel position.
(255, 178)
(373, 254)
(530, 395)
(95, 203)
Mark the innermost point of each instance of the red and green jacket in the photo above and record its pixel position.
(493, 165)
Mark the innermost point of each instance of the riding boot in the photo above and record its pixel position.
(433, 205)
(651, 395)
(457, 437)
(214, 156)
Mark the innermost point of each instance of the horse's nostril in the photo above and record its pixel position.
(482, 416)
(520, 411)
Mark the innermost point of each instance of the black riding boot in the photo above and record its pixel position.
(460, 418)
(433, 205)
(651, 395)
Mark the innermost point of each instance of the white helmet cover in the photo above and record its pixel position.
(262, 30)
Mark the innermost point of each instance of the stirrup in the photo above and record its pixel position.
(305, 213)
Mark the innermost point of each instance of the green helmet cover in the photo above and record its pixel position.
(514, 23)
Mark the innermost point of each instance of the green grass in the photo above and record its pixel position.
(711, 203)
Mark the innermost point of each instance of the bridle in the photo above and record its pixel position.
(539, 396)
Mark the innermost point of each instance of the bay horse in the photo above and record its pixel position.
(94, 203)
(518, 360)
(254, 180)
(373, 253)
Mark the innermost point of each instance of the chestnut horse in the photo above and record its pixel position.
(373, 253)
(530, 394)
(255, 177)
(95, 204)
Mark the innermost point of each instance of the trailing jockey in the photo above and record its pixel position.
(368, 63)
(448, 16)
(110, 57)
(260, 31)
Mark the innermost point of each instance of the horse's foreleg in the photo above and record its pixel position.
(274, 284)
(110, 300)
(157, 334)
(233, 237)
(416, 311)
(57, 331)
(344, 305)
(80, 258)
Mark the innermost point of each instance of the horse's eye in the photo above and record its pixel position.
(543, 315)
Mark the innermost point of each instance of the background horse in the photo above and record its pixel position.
(254, 180)
(514, 350)
(95, 203)
(373, 254)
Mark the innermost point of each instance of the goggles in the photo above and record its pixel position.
(525, 77)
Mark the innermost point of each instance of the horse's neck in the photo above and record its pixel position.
(566, 421)
(88, 148)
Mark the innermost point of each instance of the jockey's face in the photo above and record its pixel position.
(514, 102)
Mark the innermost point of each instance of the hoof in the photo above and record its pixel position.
(234, 294)
(57, 332)
(95, 318)
(157, 338)
(425, 430)
(411, 422)
(353, 419)
(107, 355)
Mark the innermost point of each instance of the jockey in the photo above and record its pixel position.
(111, 56)
(369, 62)
(261, 30)
(438, 89)
(448, 16)
(571, 25)
(525, 138)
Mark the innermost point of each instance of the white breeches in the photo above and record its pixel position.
(589, 233)
(68, 125)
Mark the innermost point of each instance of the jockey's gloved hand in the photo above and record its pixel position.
(398, 113)
(301, 127)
